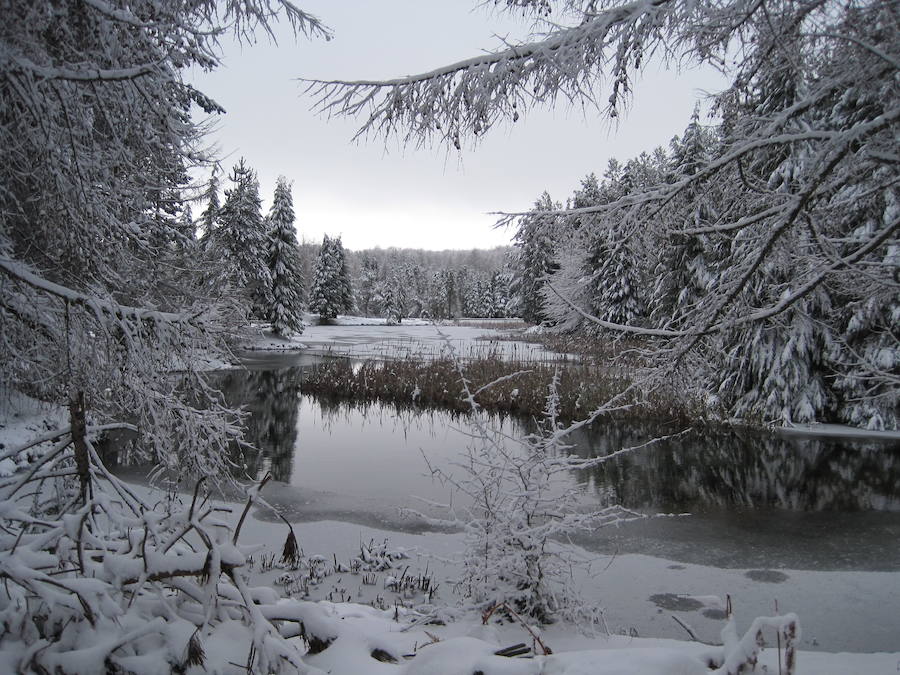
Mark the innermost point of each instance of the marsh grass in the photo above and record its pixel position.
(625, 351)
(519, 387)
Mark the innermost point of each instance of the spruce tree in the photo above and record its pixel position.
(686, 264)
(392, 299)
(343, 282)
(612, 279)
(331, 292)
(210, 214)
(536, 243)
(241, 243)
(778, 370)
(367, 287)
(447, 289)
(499, 294)
(285, 305)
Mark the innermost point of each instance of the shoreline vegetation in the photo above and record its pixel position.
(498, 385)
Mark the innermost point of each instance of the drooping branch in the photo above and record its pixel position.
(467, 98)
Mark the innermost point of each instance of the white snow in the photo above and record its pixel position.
(373, 338)
(622, 585)
(420, 340)
(615, 583)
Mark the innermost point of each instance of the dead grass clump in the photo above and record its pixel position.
(624, 350)
(521, 389)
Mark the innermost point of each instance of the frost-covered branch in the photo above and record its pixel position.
(467, 98)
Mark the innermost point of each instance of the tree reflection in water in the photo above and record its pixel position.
(715, 468)
(270, 399)
(705, 469)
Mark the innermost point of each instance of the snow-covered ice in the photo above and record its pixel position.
(372, 338)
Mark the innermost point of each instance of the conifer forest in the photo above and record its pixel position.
(654, 431)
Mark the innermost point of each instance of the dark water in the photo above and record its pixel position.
(755, 499)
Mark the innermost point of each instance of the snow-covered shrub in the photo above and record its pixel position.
(96, 580)
(515, 507)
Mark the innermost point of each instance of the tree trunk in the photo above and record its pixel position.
(79, 442)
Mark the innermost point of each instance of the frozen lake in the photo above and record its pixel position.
(755, 499)
(772, 513)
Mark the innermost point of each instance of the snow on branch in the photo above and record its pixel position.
(471, 96)
(100, 586)
(86, 75)
(20, 272)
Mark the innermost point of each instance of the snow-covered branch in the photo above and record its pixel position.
(469, 97)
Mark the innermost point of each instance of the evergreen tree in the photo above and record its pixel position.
(392, 303)
(331, 292)
(210, 214)
(871, 336)
(344, 282)
(186, 229)
(612, 279)
(536, 244)
(367, 286)
(463, 282)
(686, 266)
(241, 243)
(285, 307)
(478, 298)
(499, 292)
(446, 289)
(777, 370)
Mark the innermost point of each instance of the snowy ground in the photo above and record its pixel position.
(23, 419)
(372, 338)
(694, 593)
(639, 594)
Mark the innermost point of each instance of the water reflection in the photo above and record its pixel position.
(724, 468)
(270, 398)
(377, 449)
(757, 500)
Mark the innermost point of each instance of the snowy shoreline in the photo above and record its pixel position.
(372, 337)
(639, 593)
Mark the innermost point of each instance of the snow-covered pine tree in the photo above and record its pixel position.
(285, 306)
(241, 242)
(392, 299)
(210, 215)
(477, 297)
(322, 291)
(777, 370)
(499, 290)
(186, 229)
(612, 278)
(867, 326)
(367, 286)
(344, 280)
(411, 279)
(330, 293)
(447, 291)
(609, 282)
(485, 297)
(869, 351)
(685, 266)
(535, 240)
(568, 290)
(566, 295)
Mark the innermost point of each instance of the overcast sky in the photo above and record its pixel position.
(375, 194)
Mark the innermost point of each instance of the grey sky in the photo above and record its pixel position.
(375, 194)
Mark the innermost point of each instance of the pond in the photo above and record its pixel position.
(754, 499)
